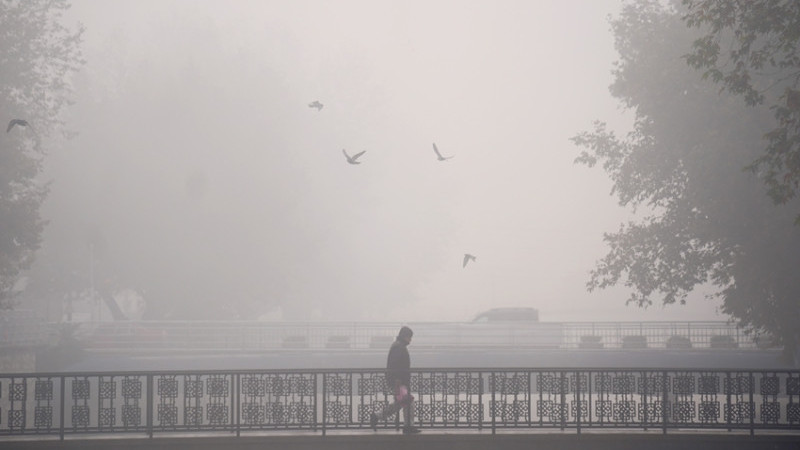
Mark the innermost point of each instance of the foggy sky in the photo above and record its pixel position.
(207, 176)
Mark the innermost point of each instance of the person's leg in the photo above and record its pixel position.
(403, 400)
(408, 409)
(390, 411)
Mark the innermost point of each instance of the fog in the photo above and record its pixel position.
(201, 178)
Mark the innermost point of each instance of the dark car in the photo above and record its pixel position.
(508, 315)
(515, 327)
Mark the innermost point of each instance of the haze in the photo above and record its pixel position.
(203, 180)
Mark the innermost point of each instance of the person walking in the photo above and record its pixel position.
(398, 376)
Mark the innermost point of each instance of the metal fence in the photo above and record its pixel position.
(22, 328)
(242, 335)
(148, 403)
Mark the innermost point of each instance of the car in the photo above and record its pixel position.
(519, 314)
(512, 327)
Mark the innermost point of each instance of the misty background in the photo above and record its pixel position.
(201, 180)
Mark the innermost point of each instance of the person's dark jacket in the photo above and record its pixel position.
(398, 364)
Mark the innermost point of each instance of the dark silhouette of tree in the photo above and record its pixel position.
(701, 219)
(36, 54)
(752, 48)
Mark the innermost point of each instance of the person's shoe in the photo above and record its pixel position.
(373, 422)
(411, 430)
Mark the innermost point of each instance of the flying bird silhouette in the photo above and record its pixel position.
(20, 122)
(467, 258)
(439, 155)
(352, 159)
(316, 104)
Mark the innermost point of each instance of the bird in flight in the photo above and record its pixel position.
(439, 155)
(467, 258)
(316, 104)
(352, 159)
(20, 122)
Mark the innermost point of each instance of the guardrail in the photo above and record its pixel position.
(245, 336)
(470, 398)
(23, 329)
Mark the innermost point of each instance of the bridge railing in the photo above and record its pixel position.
(149, 403)
(243, 335)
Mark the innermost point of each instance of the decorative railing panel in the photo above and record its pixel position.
(323, 400)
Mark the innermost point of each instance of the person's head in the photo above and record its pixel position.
(405, 335)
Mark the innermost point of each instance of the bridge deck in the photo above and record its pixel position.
(429, 440)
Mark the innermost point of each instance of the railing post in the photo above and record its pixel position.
(563, 409)
(578, 400)
(62, 408)
(689, 331)
(238, 403)
(150, 405)
(530, 398)
(539, 377)
(589, 395)
(493, 406)
(728, 399)
(664, 400)
(752, 406)
(480, 401)
(324, 403)
(644, 398)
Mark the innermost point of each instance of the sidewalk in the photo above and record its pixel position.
(433, 440)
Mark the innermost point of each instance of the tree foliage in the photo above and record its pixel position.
(752, 48)
(703, 220)
(37, 53)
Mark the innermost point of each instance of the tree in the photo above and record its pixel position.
(752, 48)
(702, 219)
(36, 54)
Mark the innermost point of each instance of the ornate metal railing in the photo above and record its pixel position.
(322, 400)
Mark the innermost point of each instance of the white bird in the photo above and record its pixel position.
(20, 122)
(316, 104)
(352, 159)
(467, 258)
(439, 155)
